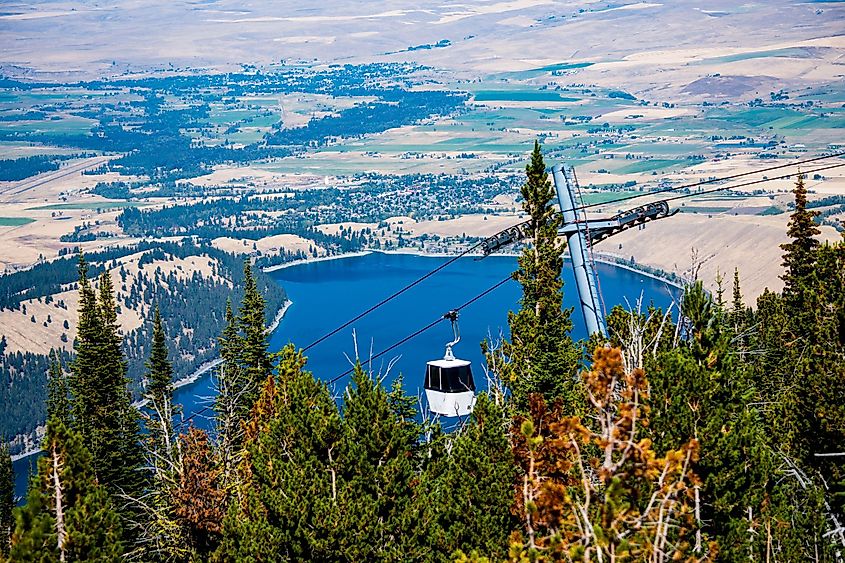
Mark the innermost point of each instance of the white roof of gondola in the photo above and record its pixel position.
(443, 363)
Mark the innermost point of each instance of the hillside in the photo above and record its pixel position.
(189, 283)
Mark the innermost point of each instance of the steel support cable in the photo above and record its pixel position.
(754, 182)
(714, 180)
(394, 295)
(424, 329)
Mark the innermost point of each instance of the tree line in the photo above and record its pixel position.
(709, 435)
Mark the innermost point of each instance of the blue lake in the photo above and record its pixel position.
(326, 294)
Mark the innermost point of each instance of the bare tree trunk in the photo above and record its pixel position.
(61, 533)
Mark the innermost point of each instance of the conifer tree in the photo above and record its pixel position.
(7, 498)
(799, 254)
(801, 372)
(737, 306)
(164, 535)
(738, 317)
(702, 388)
(229, 405)
(159, 393)
(199, 497)
(379, 443)
(291, 472)
(251, 318)
(159, 369)
(58, 394)
(469, 498)
(68, 516)
(597, 491)
(540, 356)
(103, 413)
(83, 384)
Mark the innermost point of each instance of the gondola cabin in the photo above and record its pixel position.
(449, 386)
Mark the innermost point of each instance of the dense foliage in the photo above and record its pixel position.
(12, 170)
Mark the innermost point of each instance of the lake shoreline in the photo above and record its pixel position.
(282, 266)
(603, 257)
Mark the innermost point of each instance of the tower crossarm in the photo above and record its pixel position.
(599, 229)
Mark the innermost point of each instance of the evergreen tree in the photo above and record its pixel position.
(598, 491)
(229, 405)
(469, 497)
(199, 498)
(702, 388)
(738, 317)
(103, 413)
(7, 498)
(58, 394)
(799, 254)
(291, 472)
(379, 443)
(68, 516)
(164, 535)
(159, 370)
(85, 389)
(800, 370)
(540, 356)
(251, 318)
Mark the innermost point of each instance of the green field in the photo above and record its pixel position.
(246, 136)
(639, 166)
(68, 126)
(562, 66)
(521, 96)
(15, 221)
(792, 52)
(99, 205)
(594, 198)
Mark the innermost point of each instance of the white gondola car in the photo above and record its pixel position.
(449, 386)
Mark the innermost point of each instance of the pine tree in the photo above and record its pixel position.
(799, 255)
(199, 498)
(58, 394)
(469, 497)
(540, 357)
(251, 318)
(68, 516)
(801, 334)
(738, 316)
(291, 473)
(379, 444)
(232, 388)
(164, 534)
(103, 413)
(597, 491)
(159, 369)
(159, 393)
(7, 498)
(85, 389)
(702, 388)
